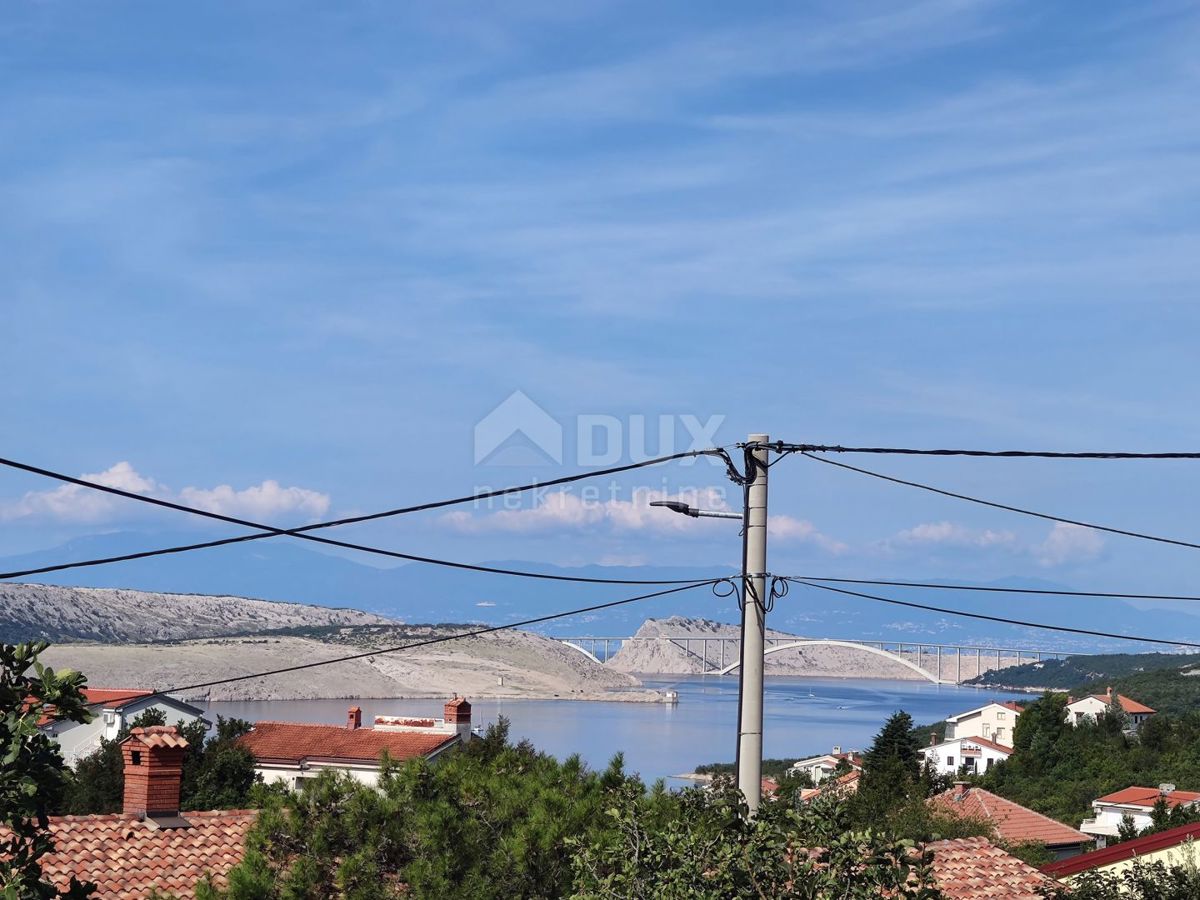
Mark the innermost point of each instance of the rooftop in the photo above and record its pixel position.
(1123, 851)
(295, 742)
(1147, 797)
(1013, 822)
(128, 858)
(976, 869)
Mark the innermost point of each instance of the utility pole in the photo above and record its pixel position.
(754, 614)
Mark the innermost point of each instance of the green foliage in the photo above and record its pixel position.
(1058, 769)
(771, 768)
(1090, 673)
(493, 820)
(702, 845)
(217, 774)
(1142, 881)
(31, 767)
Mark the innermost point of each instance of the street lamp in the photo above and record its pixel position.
(686, 510)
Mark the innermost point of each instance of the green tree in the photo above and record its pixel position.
(217, 774)
(891, 770)
(702, 844)
(31, 767)
(1142, 881)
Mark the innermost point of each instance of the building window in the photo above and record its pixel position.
(950, 761)
(989, 762)
(987, 730)
(999, 714)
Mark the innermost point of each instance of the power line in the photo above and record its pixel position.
(1004, 506)
(782, 447)
(712, 582)
(996, 590)
(1000, 619)
(266, 531)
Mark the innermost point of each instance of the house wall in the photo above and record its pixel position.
(948, 757)
(1180, 855)
(76, 741)
(993, 722)
(294, 776)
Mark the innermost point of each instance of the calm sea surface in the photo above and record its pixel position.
(804, 716)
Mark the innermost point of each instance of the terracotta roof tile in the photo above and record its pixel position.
(1013, 822)
(158, 736)
(976, 869)
(1128, 705)
(128, 858)
(1147, 797)
(297, 741)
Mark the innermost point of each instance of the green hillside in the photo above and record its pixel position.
(1093, 672)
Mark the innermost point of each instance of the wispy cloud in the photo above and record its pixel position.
(72, 503)
(565, 511)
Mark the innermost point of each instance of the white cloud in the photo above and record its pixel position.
(951, 534)
(485, 603)
(787, 528)
(74, 503)
(1068, 544)
(258, 502)
(567, 511)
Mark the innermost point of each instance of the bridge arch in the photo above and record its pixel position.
(592, 656)
(850, 645)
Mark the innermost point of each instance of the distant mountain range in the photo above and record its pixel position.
(276, 569)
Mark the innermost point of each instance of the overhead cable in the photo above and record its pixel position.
(997, 590)
(303, 532)
(994, 505)
(783, 447)
(1001, 619)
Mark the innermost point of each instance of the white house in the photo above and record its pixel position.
(1095, 705)
(113, 710)
(972, 755)
(292, 752)
(1135, 802)
(818, 768)
(994, 721)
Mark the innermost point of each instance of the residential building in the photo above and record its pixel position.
(292, 752)
(976, 869)
(1013, 823)
(115, 709)
(1095, 705)
(1174, 847)
(842, 786)
(818, 768)
(994, 721)
(149, 848)
(965, 755)
(1135, 802)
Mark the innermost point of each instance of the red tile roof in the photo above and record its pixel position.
(1013, 822)
(106, 698)
(128, 858)
(294, 742)
(976, 869)
(1147, 797)
(159, 736)
(1120, 852)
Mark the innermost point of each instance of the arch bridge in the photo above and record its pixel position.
(939, 663)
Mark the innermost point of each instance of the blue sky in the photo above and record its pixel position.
(279, 259)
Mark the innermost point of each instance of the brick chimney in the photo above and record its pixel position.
(153, 771)
(457, 712)
(354, 718)
(960, 789)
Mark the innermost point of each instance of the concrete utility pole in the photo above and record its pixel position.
(754, 614)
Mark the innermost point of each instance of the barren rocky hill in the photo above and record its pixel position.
(29, 611)
(514, 664)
